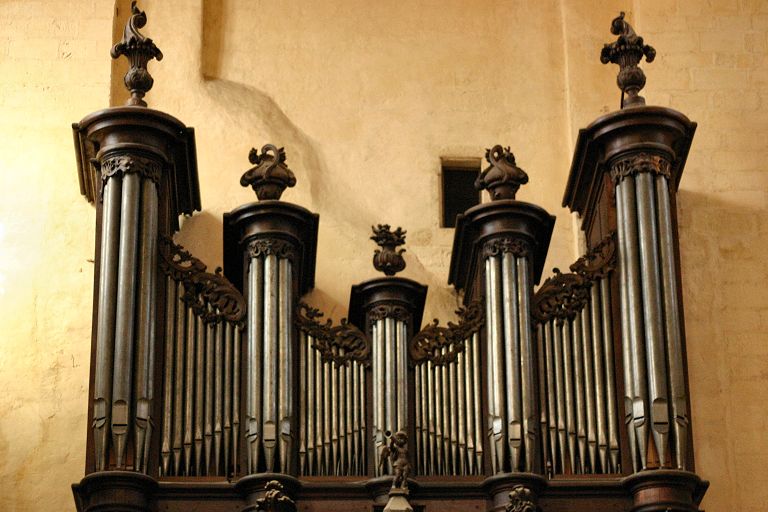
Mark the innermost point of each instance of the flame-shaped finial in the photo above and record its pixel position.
(503, 177)
(270, 176)
(139, 50)
(388, 259)
(627, 51)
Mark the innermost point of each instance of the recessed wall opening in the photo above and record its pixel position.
(457, 188)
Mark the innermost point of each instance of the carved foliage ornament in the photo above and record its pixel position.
(388, 259)
(265, 246)
(561, 296)
(638, 163)
(211, 296)
(339, 344)
(503, 177)
(269, 176)
(522, 499)
(429, 343)
(599, 261)
(627, 51)
(117, 165)
(139, 50)
(499, 246)
(384, 310)
(274, 499)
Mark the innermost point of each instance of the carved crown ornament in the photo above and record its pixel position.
(275, 499)
(638, 163)
(561, 296)
(627, 51)
(139, 50)
(388, 259)
(269, 177)
(119, 164)
(503, 245)
(211, 296)
(339, 344)
(502, 178)
(442, 345)
(522, 499)
(599, 261)
(261, 247)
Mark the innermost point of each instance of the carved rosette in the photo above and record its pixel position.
(522, 499)
(339, 344)
(639, 163)
(427, 345)
(503, 177)
(275, 499)
(388, 259)
(389, 310)
(599, 261)
(211, 296)
(139, 50)
(120, 164)
(265, 246)
(269, 177)
(561, 296)
(499, 246)
(627, 51)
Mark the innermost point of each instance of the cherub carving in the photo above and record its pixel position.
(397, 452)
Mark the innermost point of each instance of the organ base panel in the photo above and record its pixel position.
(227, 391)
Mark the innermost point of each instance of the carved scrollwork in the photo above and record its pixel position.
(339, 344)
(274, 499)
(428, 344)
(599, 261)
(211, 296)
(121, 164)
(639, 163)
(522, 499)
(503, 177)
(266, 246)
(499, 246)
(561, 296)
(389, 310)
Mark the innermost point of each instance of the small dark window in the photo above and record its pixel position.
(457, 182)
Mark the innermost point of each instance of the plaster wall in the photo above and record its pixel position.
(366, 98)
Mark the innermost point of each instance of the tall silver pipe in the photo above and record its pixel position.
(461, 406)
(125, 319)
(218, 392)
(146, 310)
(570, 404)
(476, 392)
(304, 405)
(105, 329)
(390, 376)
(431, 419)
(590, 331)
(543, 400)
(271, 353)
(401, 358)
(673, 331)
(419, 395)
(356, 406)
(311, 404)
(446, 410)
(363, 444)
(285, 379)
(610, 378)
(179, 379)
(335, 415)
(598, 342)
(378, 396)
(189, 392)
(497, 428)
(349, 392)
(199, 392)
(254, 361)
(168, 402)
(652, 306)
(580, 391)
(439, 425)
(209, 399)
(527, 374)
(552, 402)
(557, 342)
(321, 413)
(469, 399)
(237, 339)
(511, 357)
(635, 316)
(227, 407)
(327, 418)
(153, 332)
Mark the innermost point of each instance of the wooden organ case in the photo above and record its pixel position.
(224, 391)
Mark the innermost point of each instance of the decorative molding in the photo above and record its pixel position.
(522, 499)
(638, 163)
(561, 296)
(498, 246)
(503, 177)
(384, 310)
(274, 499)
(269, 177)
(627, 51)
(211, 296)
(427, 345)
(339, 344)
(388, 259)
(599, 261)
(266, 246)
(139, 50)
(121, 164)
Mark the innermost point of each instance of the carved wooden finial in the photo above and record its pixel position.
(627, 51)
(274, 499)
(139, 50)
(270, 176)
(388, 259)
(522, 499)
(503, 177)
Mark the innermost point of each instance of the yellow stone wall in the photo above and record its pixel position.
(366, 97)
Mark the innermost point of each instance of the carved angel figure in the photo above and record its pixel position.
(397, 452)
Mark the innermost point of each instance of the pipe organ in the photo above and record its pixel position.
(228, 390)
